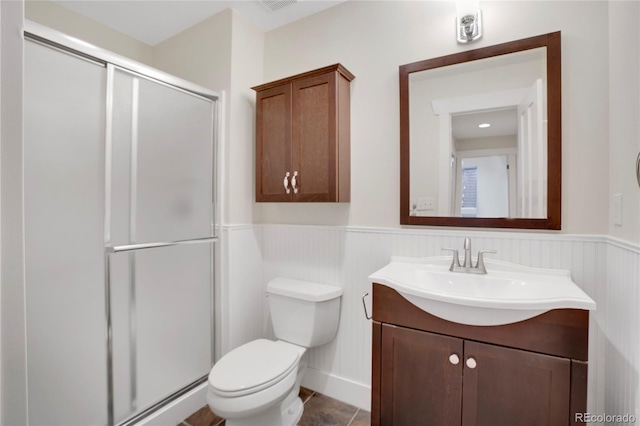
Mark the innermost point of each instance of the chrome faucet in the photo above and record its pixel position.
(467, 253)
(467, 265)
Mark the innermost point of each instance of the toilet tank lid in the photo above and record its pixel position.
(304, 290)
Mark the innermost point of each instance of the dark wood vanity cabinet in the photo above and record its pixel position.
(428, 371)
(303, 137)
(417, 380)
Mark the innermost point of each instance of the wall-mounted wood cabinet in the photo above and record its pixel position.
(430, 371)
(303, 137)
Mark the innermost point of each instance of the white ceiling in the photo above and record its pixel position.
(503, 122)
(153, 21)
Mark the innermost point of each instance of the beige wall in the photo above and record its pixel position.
(246, 72)
(59, 18)
(624, 115)
(200, 54)
(224, 53)
(373, 38)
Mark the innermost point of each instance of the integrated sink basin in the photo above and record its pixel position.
(508, 293)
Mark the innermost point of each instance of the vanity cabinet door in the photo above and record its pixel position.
(419, 382)
(273, 143)
(506, 387)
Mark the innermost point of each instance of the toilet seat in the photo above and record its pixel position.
(253, 367)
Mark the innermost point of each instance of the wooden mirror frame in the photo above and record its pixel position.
(554, 135)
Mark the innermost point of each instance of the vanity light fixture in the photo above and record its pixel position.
(484, 125)
(468, 20)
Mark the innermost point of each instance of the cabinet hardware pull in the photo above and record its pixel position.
(294, 182)
(454, 359)
(286, 183)
(471, 363)
(364, 305)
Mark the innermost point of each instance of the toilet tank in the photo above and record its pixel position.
(302, 312)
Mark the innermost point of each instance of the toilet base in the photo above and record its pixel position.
(280, 415)
(291, 415)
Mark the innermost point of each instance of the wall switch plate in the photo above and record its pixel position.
(617, 209)
(426, 203)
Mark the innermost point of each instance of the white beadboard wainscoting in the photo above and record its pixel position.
(605, 268)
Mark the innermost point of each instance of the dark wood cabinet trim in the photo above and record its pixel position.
(343, 118)
(335, 67)
(376, 372)
(578, 390)
(560, 332)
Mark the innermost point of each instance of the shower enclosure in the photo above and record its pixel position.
(121, 235)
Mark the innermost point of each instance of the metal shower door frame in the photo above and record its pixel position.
(110, 249)
(62, 42)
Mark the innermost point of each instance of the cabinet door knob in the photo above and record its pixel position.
(471, 363)
(294, 182)
(286, 182)
(454, 359)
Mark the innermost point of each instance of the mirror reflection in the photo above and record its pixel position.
(478, 138)
(481, 137)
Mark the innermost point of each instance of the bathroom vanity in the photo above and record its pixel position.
(445, 373)
(505, 347)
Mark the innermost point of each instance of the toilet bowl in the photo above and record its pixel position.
(254, 379)
(257, 384)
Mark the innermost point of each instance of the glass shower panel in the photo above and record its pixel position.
(162, 162)
(64, 98)
(161, 305)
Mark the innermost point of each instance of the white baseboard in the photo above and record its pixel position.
(345, 390)
(174, 413)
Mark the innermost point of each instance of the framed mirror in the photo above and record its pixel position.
(481, 137)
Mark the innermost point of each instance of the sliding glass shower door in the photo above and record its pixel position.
(161, 323)
(121, 240)
(64, 244)
(160, 231)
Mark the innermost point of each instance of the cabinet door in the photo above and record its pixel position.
(315, 137)
(273, 143)
(512, 387)
(419, 383)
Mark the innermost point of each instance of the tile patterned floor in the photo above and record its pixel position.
(319, 410)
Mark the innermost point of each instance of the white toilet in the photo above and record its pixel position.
(257, 384)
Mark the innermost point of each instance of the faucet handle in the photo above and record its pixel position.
(455, 262)
(480, 261)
